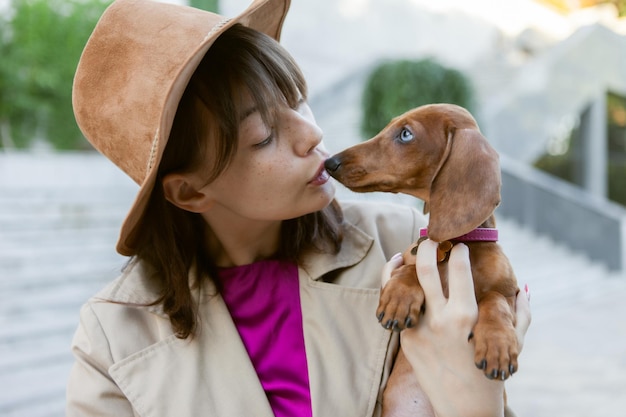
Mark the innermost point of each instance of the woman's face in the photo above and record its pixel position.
(277, 172)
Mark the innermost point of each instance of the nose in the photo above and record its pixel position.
(332, 164)
(310, 137)
(305, 131)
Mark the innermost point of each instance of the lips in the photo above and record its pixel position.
(321, 177)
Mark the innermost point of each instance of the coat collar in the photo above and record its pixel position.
(355, 245)
(194, 376)
(136, 287)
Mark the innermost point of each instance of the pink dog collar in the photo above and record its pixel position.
(481, 234)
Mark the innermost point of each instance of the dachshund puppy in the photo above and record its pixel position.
(437, 153)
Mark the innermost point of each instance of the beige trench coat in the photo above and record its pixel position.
(128, 362)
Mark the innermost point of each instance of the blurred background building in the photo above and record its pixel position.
(548, 88)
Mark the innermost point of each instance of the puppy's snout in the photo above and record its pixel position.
(332, 164)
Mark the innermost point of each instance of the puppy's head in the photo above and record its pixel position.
(436, 153)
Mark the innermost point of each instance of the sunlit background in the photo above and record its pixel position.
(546, 80)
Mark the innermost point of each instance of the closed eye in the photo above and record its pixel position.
(264, 142)
(405, 135)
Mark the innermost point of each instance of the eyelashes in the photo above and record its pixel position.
(269, 139)
(264, 142)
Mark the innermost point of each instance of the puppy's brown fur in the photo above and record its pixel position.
(438, 154)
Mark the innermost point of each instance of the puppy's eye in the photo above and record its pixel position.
(406, 135)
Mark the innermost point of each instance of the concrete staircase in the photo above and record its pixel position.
(57, 236)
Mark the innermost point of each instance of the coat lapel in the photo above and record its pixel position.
(212, 375)
(345, 353)
(207, 375)
(346, 347)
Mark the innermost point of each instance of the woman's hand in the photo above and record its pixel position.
(438, 348)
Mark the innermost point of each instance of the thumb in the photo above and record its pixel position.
(395, 261)
(522, 311)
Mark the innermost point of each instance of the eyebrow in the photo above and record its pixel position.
(254, 109)
(248, 112)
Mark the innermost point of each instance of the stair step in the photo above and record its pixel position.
(18, 398)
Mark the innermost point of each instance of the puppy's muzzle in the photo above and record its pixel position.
(332, 164)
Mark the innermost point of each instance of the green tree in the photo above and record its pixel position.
(210, 5)
(568, 164)
(394, 87)
(40, 44)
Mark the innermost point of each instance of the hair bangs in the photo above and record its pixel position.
(271, 78)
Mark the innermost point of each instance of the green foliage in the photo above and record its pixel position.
(41, 42)
(568, 165)
(617, 182)
(210, 5)
(563, 166)
(394, 87)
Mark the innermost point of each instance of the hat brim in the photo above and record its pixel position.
(266, 16)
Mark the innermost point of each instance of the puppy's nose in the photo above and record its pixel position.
(332, 164)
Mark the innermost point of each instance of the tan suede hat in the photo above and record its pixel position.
(132, 74)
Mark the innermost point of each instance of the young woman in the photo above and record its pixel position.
(250, 291)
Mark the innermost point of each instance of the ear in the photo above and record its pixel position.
(466, 190)
(178, 190)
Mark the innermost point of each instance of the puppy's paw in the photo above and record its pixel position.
(401, 300)
(496, 350)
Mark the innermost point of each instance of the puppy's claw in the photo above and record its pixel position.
(380, 316)
(482, 365)
(408, 323)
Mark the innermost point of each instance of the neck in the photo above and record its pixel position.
(235, 242)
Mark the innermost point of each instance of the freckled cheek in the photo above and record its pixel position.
(263, 176)
(276, 178)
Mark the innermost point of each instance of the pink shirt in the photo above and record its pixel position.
(264, 300)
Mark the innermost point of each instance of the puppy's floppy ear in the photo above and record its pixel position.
(466, 190)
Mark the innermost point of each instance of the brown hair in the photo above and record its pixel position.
(171, 240)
